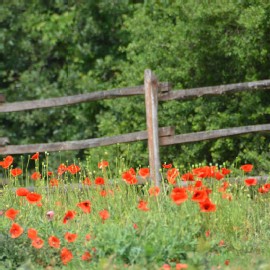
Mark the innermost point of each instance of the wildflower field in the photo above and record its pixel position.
(80, 215)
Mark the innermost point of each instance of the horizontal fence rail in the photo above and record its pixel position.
(213, 134)
(214, 90)
(76, 99)
(81, 144)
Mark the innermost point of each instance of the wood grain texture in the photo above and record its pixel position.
(214, 90)
(213, 134)
(151, 105)
(81, 144)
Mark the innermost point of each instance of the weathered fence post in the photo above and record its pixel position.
(2, 98)
(151, 103)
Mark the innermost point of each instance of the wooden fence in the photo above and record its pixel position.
(154, 92)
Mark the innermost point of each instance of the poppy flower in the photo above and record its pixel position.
(87, 182)
(207, 233)
(144, 172)
(205, 171)
(143, 206)
(50, 215)
(179, 195)
(135, 226)
(37, 243)
(88, 237)
(218, 175)
(199, 196)
(103, 164)
(86, 256)
(180, 266)
(99, 181)
(73, 169)
(54, 182)
(103, 193)
(224, 186)
(171, 175)
(22, 191)
(69, 216)
(267, 186)
(207, 206)
(36, 176)
(198, 184)
(165, 267)
(61, 169)
(262, 190)
(227, 196)
(49, 173)
(154, 191)
(66, 255)
(225, 171)
(16, 172)
(70, 237)
(35, 156)
(32, 233)
(54, 241)
(129, 177)
(132, 171)
(187, 177)
(7, 161)
(15, 230)
(167, 166)
(33, 197)
(11, 213)
(104, 214)
(85, 206)
(251, 182)
(247, 167)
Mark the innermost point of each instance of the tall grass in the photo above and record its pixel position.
(140, 230)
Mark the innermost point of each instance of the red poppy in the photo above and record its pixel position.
(129, 177)
(263, 190)
(49, 173)
(16, 230)
(251, 182)
(171, 175)
(103, 193)
(22, 191)
(33, 197)
(225, 171)
(166, 166)
(99, 181)
(207, 233)
(11, 213)
(37, 243)
(88, 237)
(86, 256)
(36, 176)
(187, 177)
(224, 186)
(54, 182)
(199, 196)
(87, 181)
(180, 266)
(227, 262)
(132, 171)
(73, 169)
(85, 206)
(165, 267)
(54, 242)
(144, 172)
(205, 171)
(69, 216)
(61, 169)
(104, 214)
(218, 175)
(66, 255)
(7, 161)
(143, 206)
(32, 233)
(70, 237)
(198, 184)
(35, 156)
(16, 172)
(135, 226)
(179, 195)
(267, 186)
(154, 191)
(247, 167)
(207, 206)
(103, 164)
(227, 196)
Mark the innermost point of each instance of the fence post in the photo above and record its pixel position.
(151, 103)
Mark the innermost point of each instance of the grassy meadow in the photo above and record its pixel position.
(77, 215)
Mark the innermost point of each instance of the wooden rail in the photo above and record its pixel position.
(81, 144)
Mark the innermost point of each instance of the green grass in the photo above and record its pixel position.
(166, 234)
